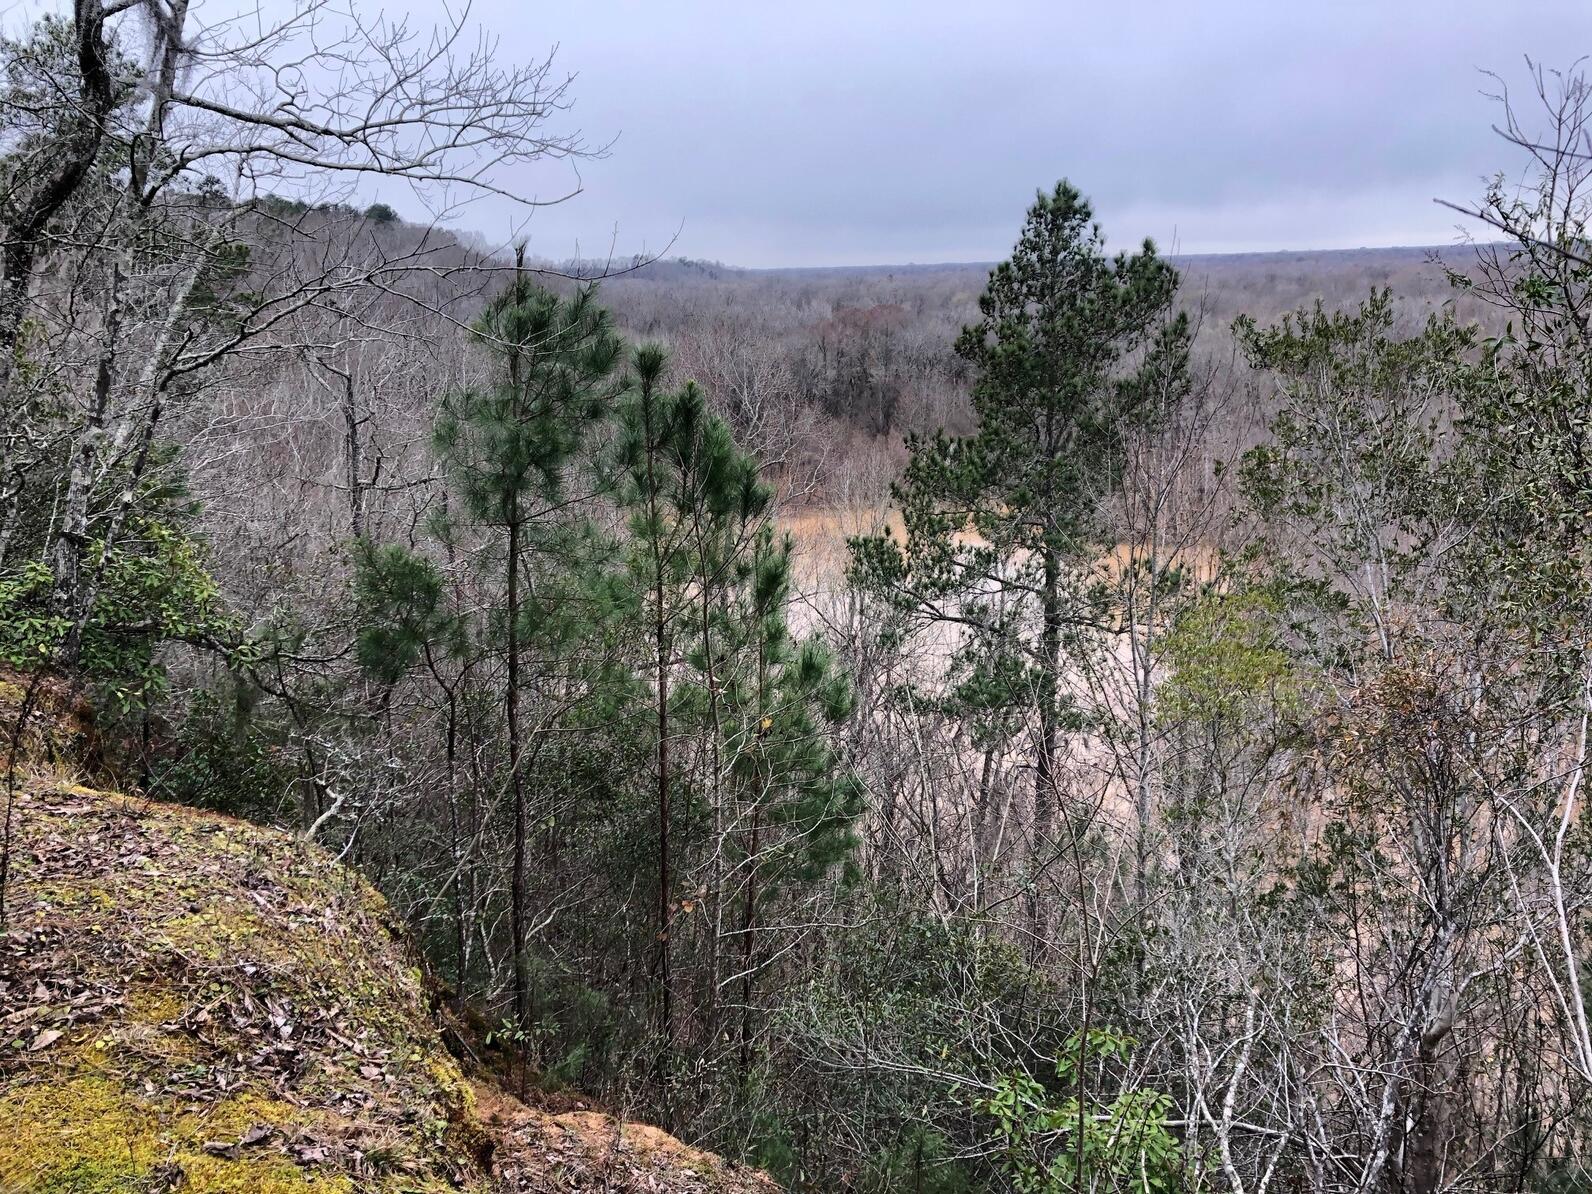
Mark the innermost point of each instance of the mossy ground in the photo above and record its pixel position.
(190, 1002)
(197, 1003)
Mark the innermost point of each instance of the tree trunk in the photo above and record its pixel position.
(665, 982)
(72, 542)
(1046, 787)
(356, 458)
(154, 383)
(65, 168)
(748, 928)
(661, 646)
(517, 895)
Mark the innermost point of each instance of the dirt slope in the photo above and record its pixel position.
(189, 1002)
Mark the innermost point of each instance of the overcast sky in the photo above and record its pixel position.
(866, 131)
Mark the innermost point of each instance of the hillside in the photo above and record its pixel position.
(192, 1002)
(1224, 285)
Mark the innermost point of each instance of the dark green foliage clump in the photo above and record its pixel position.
(225, 758)
(152, 587)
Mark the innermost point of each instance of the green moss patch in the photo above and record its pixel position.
(202, 1004)
(192, 1003)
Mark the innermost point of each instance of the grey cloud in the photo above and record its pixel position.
(887, 130)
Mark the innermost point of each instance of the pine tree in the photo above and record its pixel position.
(691, 498)
(1068, 350)
(739, 709)
(794, 798)
(746, 791)
(508, 448)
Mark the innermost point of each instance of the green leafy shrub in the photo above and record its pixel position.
(1048, 1138)
(1227, 657)
(224, 759)
(154, 588)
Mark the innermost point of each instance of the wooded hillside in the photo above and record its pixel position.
(1099, 721)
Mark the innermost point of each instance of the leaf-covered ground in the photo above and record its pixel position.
(189, 1002)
